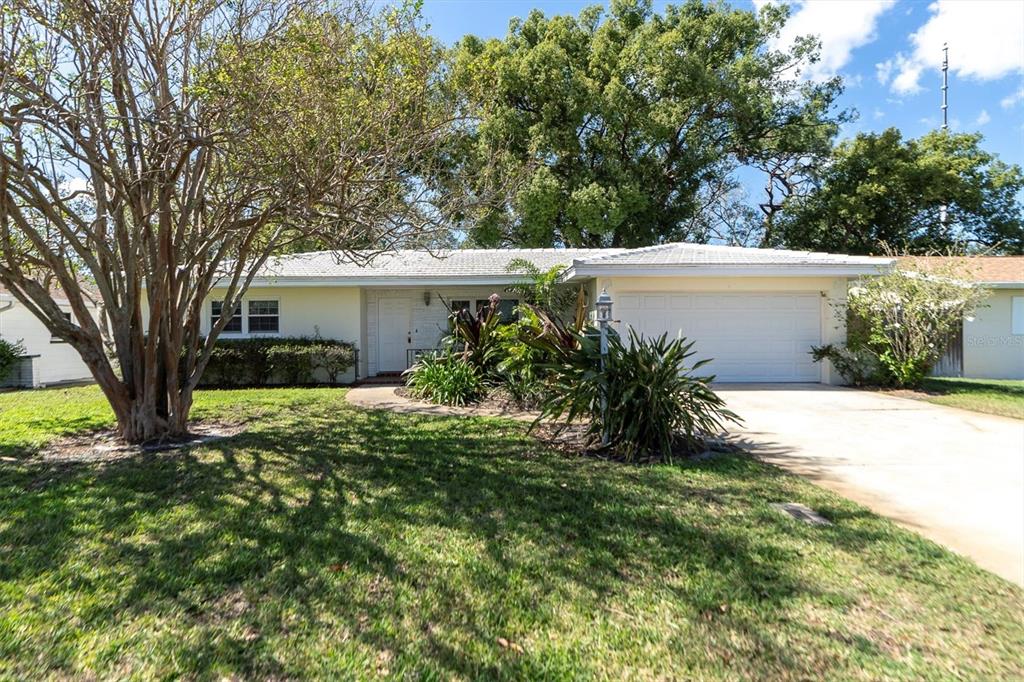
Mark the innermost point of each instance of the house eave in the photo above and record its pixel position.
(379, 282)
(579, 271)
(1001, 285)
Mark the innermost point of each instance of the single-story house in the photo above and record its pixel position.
(47, 360)
(756, 312)
(991, 345)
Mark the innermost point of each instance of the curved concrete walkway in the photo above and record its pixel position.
(385, 398)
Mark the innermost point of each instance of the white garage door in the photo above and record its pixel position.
(751, 337)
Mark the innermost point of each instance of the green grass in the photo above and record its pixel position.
(992, 396)
(331, 542)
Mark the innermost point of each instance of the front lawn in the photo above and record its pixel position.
(331, 542)
(993, 396)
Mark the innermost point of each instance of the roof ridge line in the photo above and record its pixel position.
(620, 251)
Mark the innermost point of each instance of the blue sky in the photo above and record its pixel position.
(888, 52)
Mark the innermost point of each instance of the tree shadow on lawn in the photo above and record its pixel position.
(427, 538)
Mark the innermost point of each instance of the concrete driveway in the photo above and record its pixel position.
(954, 476)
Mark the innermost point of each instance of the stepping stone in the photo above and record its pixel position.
(802, 513)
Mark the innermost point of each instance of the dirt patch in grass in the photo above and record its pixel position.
(99, 447)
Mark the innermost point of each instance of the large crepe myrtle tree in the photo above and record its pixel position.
(158, 148)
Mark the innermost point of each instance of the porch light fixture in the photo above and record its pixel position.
(426, 298)
(603, 305)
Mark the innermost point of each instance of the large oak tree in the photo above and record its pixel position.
(157, 148)
(624, 128)
(879, 191)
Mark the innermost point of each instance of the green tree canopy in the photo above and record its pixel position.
(619, 129)
(880, 189)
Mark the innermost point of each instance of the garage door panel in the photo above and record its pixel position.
(680, 302)
(750, 337)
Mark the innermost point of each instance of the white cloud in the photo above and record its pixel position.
(1012, 99)
(75, 184)
(986, 41)
(982, 119)
(878, 114)
(841, 25)
(883, 71)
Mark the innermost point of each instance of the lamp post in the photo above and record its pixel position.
(603, 305)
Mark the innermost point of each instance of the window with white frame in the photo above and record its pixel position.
(234, 325)
(264, 317)
(1017, 314)
(57, 339)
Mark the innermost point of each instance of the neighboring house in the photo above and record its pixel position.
(47, 360)
(757, 312)
(991, 345)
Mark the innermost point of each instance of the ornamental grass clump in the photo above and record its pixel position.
(446, 379)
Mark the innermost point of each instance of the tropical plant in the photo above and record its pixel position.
(541, 288)
(474, 336)
(446, 379)
(521, 368)
(643, 399)
(9, 354)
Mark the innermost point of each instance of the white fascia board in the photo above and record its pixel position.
(582, 271)
(1001, 285)
(383, 282)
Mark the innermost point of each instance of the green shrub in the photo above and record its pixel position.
(9, 354)
(521, 370)
(857, 367)
(899, 324)
(646, 401)
(288, 360)
(445, 379)
(334, 358)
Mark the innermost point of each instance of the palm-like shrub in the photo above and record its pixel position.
(445, 379)
(646, 401)
(475, 337)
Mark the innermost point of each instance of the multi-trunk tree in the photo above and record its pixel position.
(155, 149)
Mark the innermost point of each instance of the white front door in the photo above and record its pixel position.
(394, 317)
(757, 337)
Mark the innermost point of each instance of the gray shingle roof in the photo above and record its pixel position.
(412, 264)
(494, 263)
(681, 253)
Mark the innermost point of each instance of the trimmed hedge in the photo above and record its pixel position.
(291, 361)
(9, 354)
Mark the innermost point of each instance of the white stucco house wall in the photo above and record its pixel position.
(756, 312)
(991, 345)
(47, 360)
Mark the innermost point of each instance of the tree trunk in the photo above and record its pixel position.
(146, 411)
